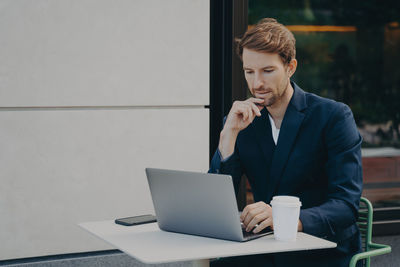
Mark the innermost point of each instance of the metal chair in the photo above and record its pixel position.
(364, 221)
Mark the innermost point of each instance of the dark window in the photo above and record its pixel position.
(350, 51)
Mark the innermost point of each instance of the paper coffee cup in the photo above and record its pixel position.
(285, 217)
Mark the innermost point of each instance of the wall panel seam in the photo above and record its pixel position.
(38, 108)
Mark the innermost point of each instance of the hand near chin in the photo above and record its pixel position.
(243, 113)
(240, 116)
(257, 217)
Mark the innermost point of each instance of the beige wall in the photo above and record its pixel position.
(91, 93)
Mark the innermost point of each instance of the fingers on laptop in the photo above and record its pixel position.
(264, 224)
(253, 209)
(257, 221)
(246, 211)
(257, 215)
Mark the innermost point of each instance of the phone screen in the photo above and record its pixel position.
(136, 220)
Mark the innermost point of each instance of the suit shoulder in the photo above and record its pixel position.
(325, 106)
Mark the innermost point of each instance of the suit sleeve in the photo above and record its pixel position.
(335, 218)
(230, 165)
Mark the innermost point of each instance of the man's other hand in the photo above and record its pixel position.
(258, 215)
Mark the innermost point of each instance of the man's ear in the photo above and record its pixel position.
(292, 66)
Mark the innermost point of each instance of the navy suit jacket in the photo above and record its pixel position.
(317, 158)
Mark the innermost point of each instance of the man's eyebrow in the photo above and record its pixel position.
(266, 67)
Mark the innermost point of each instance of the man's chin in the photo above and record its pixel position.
(269, 102)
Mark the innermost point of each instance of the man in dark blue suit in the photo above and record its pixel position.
(289, 142)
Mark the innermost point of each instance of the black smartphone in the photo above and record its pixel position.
(136, 220)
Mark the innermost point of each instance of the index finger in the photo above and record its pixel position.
(257, 101)
(256, 108)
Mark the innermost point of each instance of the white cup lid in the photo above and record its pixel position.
(288, 201)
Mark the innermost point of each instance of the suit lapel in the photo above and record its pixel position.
(262, 128)
(289, 129)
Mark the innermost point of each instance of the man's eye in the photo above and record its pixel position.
(248, 72)
(268, 71)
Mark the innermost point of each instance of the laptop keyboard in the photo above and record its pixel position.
(250, 234)
(247, 234)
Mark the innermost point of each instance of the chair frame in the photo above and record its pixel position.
(371, 249)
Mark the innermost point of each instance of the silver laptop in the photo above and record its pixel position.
(197, 203)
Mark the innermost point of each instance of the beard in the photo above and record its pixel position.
(282, 88)
(272, 100)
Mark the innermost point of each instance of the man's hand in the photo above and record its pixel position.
(300, 227)
(243, 113)
(258, 215)
(240, 116)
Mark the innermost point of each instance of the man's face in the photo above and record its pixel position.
(266, 75)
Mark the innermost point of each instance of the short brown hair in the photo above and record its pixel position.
(269, 36)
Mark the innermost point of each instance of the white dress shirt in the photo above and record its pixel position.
(275, 131)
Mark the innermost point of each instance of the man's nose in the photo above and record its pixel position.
(258, 82)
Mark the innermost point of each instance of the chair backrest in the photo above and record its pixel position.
(364, 222)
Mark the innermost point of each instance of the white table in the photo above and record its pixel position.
(148, 244)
